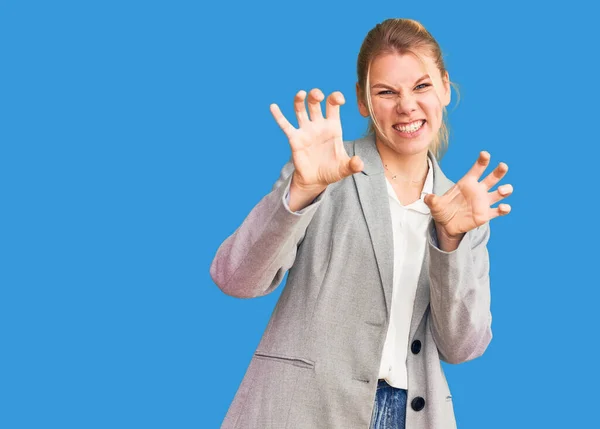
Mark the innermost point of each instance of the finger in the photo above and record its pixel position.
(430, 200)
(501, 210)
(355, 165)
(480, 165)
(300, 108)
(332, 107)
(500, 193)
(352, 166)
(496, 175)
(281, 120)
(315, 96)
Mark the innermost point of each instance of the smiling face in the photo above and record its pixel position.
(407, 99)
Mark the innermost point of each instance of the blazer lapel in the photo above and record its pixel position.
(372, 193)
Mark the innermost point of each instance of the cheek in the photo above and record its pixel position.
(434, 110)
(383, 108)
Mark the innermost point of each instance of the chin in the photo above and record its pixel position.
(411, 146)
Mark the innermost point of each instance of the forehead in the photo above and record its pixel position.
(398, 68)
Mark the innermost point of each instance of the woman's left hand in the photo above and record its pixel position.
(467, 204)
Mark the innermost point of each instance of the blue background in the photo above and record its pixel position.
(136, 136)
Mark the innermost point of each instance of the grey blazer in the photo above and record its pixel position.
(317, 363)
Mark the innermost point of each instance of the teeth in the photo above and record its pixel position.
(411, 128)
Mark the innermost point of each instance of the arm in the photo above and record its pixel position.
(460, 296)
(254, 259)
(459, 263)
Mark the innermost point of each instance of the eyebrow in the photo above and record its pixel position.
(383, 85)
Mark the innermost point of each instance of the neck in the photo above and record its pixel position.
(411, 167)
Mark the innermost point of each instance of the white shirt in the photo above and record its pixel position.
(409, 225)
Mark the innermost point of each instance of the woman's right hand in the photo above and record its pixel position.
(318, 151)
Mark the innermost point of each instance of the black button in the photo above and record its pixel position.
(416, 346)
(418, 403)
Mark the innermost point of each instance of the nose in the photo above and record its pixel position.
(406, 104)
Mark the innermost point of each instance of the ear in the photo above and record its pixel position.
(447, 92)
(362, 107)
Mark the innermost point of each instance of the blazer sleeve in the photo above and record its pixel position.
(460, 296)
(254, 259)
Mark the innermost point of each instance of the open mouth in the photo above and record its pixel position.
(410, 128)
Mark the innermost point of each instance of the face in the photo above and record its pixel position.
(407, 96)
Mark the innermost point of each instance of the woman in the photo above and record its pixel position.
(387, 259)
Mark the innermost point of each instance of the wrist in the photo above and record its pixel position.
(302, 188)
(302, 196)
(444, 233)
(446, 241)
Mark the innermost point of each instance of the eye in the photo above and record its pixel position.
(386, 92)
(423, 86)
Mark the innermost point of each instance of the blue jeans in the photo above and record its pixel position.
(389, 411)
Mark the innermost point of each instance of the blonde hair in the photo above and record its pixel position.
(401, 36)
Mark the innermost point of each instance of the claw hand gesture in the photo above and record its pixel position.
(317, 146)
(467, 204)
